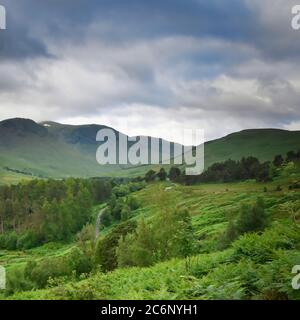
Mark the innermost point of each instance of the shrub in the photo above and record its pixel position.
(11, 240)
(133, 203)
(106, 218)
(80, 262)
(121, 191)
(162, 175)
(105, 254)
(29, 240)
(150, 176)
(252, 218)
(17, 282)
(48, 268)
(174, 174)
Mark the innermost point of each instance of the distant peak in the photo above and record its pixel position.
(23, 125)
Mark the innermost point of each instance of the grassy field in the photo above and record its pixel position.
(256, 266)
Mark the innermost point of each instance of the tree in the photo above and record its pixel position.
(278, 160)
(162, 175)
(138, 248)
(125, 213)
(150, 176)
(252, 219)
(2, 215)
(105, 253)
(174, 174)
(263, 173)
(291, 156)
(106, 218)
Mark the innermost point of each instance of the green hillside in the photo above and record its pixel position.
(263, 144)
(255, 266)
(50, 149)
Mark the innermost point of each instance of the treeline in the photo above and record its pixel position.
(121, 203)
(41, 211)
(228, 171)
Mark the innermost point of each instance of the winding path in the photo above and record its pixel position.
(98, 222)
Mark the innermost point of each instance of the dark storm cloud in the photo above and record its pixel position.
(199, 60)
(126, 20)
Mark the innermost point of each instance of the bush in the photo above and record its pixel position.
(106, 218)
(80, 262)
(150, 176)
(169, 235)
(133, 203)
(252, 219)
(162, 175)
(121, 191)
(11, 241)
(48, 268)
(17, 282)
(29, 240)
(105, 254)
(174, 174)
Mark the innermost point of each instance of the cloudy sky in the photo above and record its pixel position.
(149, 66)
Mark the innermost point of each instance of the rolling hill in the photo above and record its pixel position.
(49, 149)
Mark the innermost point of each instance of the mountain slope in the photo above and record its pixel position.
(261, 143)
(56, 150)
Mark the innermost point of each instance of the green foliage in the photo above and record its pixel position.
(41, 211)
(258, 264)
(250, 219)
(150, 176)
(174, 174)
(46, 269)
(39, 273)
(278, 160)
(10, 242)
(162, 174)
(261, 248)
(86, 240)
(17, 282)
(121, 190)
(168, 235)
(138, 248)
(28, 240)
(106, 218)
(105, 254)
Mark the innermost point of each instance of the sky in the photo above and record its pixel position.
(152, 67)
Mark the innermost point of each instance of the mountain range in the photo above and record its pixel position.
(55, 150)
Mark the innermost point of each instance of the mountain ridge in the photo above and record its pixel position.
(53, 150)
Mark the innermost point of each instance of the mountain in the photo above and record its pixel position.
(51, 149)
(261, 143)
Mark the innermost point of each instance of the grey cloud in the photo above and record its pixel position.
(194, 61)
